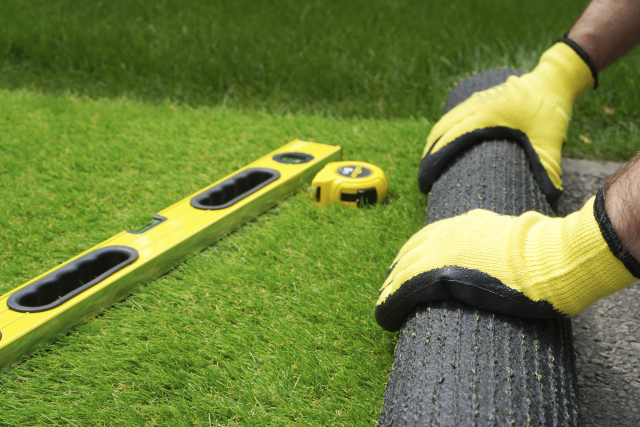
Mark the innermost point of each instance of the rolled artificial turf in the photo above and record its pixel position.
(456, 365)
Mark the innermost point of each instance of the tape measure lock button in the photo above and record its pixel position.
(354, 184)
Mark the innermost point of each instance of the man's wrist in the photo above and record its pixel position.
(587, 43)
(622, 203)
(583, 54)
(607, 30)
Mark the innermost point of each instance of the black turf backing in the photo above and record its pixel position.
(458, 366)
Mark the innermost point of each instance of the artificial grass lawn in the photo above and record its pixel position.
(356, 58)
(273, 325)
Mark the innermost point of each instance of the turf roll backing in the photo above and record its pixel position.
(456, 365)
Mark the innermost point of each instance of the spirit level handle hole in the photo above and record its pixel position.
(232, 190)
(71, 279)
(293, 158)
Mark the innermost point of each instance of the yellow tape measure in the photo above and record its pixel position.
(355, 184)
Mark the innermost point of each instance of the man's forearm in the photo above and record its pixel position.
(607, 30)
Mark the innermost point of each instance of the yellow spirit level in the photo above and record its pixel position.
(355, 184)
(49, 305)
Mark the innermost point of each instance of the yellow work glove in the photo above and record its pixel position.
(528, 265)
(533, 110)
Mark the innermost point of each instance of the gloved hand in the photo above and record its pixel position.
(533, 110)
(529, 266)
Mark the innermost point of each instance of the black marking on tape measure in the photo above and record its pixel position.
(354, 171)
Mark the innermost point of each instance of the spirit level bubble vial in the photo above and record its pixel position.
(355, 184)
(49, 305)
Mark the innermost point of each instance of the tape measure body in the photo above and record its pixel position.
(354, 184)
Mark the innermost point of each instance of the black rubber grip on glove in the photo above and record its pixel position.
(432, 165)
(471, 286)
(459, 366)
